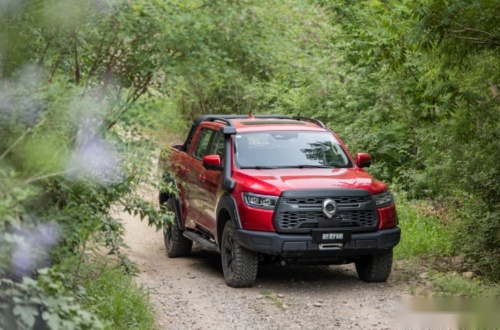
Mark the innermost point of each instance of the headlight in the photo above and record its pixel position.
(260, 201)
(383, 199)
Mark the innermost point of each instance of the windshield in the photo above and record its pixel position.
(281, 149)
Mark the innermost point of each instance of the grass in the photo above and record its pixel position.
(452, 284)
(275, 300)
(116, 298)
(421, 235)
(426, 244)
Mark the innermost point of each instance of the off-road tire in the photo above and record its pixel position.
(175, 243)
(238, 264)
(374, 268)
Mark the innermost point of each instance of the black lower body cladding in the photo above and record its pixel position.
(303, 246)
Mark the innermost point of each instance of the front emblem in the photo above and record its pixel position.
(329, 208)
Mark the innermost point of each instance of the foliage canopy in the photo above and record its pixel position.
(415, 83)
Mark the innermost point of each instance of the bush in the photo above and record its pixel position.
(60, 177)
(477, 237)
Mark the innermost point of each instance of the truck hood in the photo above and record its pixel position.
(274, 181)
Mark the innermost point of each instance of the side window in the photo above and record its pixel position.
(218, 146)
(201, 148)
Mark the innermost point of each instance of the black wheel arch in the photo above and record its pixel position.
(227, 210)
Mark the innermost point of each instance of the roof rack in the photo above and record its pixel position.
(311, 120)
(224, 118)
(227, 120)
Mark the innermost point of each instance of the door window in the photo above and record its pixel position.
(202, 143)
(218, 146)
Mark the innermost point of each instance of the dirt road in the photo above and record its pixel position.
(190, 293)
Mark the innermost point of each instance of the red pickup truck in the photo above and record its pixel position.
(280, 187)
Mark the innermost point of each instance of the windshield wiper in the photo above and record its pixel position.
(311, 166)
(258, 167)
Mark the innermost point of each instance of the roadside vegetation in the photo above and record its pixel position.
(427, 257)
(89, 89)
(113, 296)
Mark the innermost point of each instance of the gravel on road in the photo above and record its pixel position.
(190, 292)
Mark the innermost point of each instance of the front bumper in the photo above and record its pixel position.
(302, 246)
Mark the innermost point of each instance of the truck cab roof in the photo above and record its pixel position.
(251, 123)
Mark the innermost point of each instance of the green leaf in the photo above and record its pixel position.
(27, 314)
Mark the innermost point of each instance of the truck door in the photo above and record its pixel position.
(210, 186)
(204, 185)
(193, 169)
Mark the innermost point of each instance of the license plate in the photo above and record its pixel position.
(331, 236)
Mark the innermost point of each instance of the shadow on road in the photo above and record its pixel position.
(273, 273)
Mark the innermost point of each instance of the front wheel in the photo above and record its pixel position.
(175, 243)
(374, 268)
(238, 264)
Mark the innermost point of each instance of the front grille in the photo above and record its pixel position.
(290, 220)
(298, 214)
(317, 201)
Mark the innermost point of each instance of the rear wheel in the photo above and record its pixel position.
(238, 264)
(175, 243)
(374, 268)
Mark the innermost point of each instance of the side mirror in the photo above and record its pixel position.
(212, 162)
(363, 160)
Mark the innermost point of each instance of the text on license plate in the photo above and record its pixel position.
(329, 236)
(319, 236)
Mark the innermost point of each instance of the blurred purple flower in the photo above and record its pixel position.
(31, 245)
(94, 159)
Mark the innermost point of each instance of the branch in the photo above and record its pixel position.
(97, 60)
(492, 43)
(457, 31)
(466, 38)
(490, 40)
(42, 57)
(29, 130)
(384, 2)
(412, 73)
(133, 96)
(473, 30)
(477, 40)
(77, 65)
(49, 175)
(56, 64)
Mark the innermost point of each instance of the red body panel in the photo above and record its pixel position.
(387, 216)
(274, 181)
